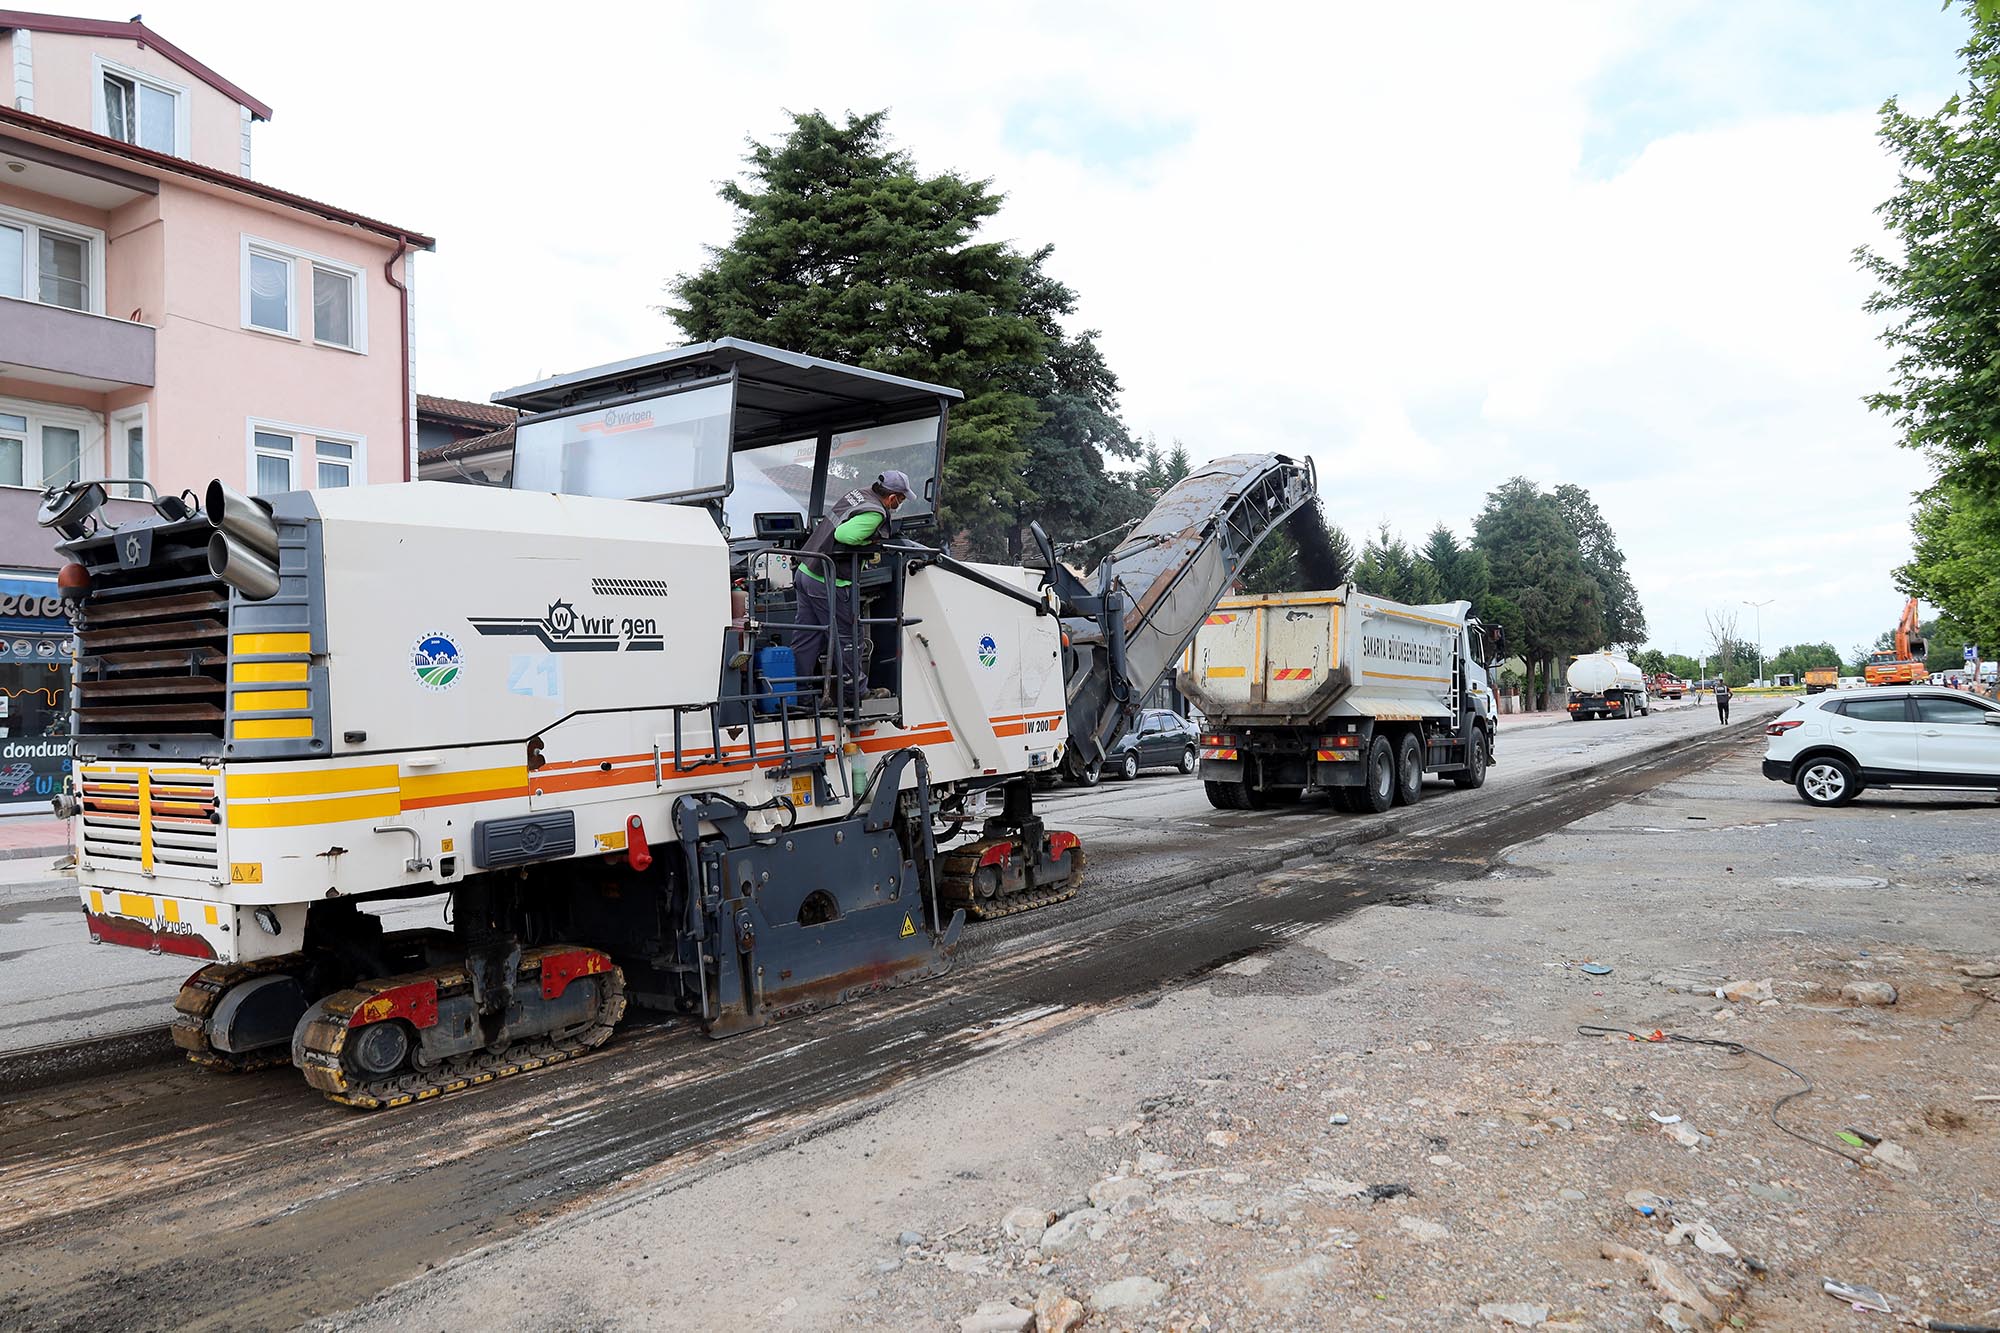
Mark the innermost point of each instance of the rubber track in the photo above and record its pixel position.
(196, 1004)
(955, 887)
(325, 1036)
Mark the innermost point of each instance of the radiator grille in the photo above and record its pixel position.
(158, 821)
(153, 644)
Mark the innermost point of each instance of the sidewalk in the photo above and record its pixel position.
(26, 835)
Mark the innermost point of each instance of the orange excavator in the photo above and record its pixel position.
(1902, 664)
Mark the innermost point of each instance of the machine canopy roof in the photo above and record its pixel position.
(779, 394)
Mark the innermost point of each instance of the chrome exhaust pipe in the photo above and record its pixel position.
(241, 568)
(245, 519)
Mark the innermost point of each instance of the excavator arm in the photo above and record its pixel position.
(1127, 622)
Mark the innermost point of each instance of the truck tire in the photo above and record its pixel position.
(1234, 795)
(1409, 769)
(1089, 776)
(1474, 773)
(1379, 793)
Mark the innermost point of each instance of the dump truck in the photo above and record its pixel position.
(1606, 685)
(1822, 678)
(1340, 692)
(585, 725)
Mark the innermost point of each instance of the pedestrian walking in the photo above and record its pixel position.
(1722, 700)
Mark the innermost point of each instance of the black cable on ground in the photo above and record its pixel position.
(1733, 1048)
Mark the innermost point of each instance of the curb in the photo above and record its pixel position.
(23, 853)
(41, 1066)
(65, 1062)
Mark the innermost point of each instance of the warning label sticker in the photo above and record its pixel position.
(909, 926)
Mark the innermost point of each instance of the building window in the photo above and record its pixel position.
(128, 449)
(44, 260)
(273, 462)
(44, 445)
(333, 306)
(140, 110)
(280, 455)
(336, 463)
(267, 292)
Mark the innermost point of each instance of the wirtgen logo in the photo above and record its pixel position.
(563, 629)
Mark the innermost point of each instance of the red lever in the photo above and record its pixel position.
(637, 854)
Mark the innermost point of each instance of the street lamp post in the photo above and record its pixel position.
(1758, 607)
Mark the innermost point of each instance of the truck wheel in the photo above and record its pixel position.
(1380, 792)
(1232, 795)
(1409, 769)
(1474, 773)
(1091, 775)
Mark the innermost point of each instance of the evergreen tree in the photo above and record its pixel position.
(1618, 605)
(1541, 593)
(844, 250)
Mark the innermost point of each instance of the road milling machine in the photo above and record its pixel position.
(570, 706)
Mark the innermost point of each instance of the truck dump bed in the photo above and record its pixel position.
(1300, 657)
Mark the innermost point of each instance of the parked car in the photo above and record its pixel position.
(1832, 747)
(1162, 739)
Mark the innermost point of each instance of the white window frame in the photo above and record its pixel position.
(252, 246)
(36, 223)
(121, 421)
(90, 438)
(99, 67)
(305, 453)
(357, 314)
(299, 313)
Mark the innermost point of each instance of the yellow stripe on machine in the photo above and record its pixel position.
(430, 785)
(272, 701)
(268, 673)
(1226, 673)
(260, 645)
(288, 814)
(146, 822)
(271, 729)
(251, 784)
(136, 905)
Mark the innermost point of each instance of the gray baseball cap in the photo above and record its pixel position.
(893, 482)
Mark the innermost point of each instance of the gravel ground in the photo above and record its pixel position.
(1394, 1122)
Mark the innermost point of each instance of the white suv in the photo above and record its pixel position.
(1832, 746)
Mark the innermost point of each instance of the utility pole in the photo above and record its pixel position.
(1758, 607)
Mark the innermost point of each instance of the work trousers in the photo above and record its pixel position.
(1722, 707)
(822, 605)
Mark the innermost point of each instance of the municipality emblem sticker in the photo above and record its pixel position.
(434, 661)
(989, 651)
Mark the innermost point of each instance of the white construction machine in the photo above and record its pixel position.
(569, 706)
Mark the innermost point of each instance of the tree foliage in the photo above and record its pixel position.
(1617, 600)
(1939, 288)
(843, 249)
(1545, 597)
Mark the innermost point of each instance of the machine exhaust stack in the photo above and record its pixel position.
(242, 568)
(244, 519)
(244, 550)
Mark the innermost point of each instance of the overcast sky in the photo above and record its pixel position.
(1432, 246)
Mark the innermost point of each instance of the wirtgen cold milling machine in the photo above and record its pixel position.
(575, 714)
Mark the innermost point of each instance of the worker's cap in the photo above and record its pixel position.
(893, 482)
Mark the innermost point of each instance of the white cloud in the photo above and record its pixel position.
(1380, 234)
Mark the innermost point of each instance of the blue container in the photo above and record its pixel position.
(776, 687)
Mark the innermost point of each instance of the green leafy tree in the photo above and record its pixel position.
(1618, 604)
(1275, 566)
(1544, 596)
(1796, 659)
(1389, 568)
(843, 249)
(1652, 661)
(1938, 288)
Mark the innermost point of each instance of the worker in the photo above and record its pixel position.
(1722, 700)
(856, 523)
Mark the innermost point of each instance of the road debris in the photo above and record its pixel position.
(1855, 1294)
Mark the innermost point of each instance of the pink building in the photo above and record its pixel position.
(164, 315)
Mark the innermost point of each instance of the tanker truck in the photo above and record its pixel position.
(1340, 692)
(1606, 685)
